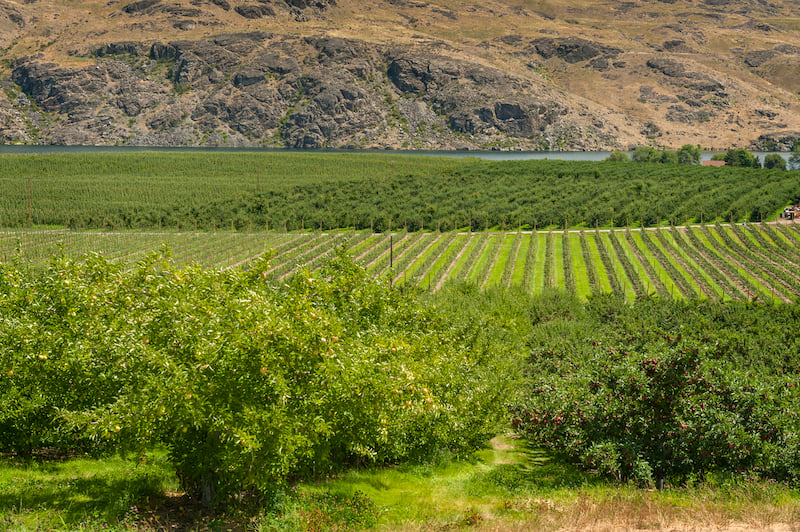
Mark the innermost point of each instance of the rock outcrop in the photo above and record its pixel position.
(573, 49)
(259, 89)
(784, 141)
(675, 69)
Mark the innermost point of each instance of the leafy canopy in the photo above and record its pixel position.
(246, 382)
(663, 390)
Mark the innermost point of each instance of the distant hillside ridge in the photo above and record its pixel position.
(401, 74)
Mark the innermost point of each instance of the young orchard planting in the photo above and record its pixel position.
(722, 261)
(256, 192)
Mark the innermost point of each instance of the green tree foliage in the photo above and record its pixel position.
(293, 192)
(774, 161)
(794, 158)
(246, 382)
(669, 157)
(617, 156)
(662, 390)
(741, 157)
(51, 357)
(645, 154)
(689, 154)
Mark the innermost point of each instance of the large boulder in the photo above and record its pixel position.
(780, 141)
(680, 75)
(255, 11)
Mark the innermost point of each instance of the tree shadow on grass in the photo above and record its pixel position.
(74, 496)
(71, 494)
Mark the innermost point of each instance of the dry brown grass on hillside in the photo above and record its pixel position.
(710, 40)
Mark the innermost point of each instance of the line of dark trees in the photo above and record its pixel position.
(690, 154)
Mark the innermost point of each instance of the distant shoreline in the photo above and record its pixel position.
(487, 155)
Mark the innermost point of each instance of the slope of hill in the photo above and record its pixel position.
(439, 74)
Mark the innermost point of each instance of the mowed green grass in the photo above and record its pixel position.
(81, 493)
(679, 262)
(506, 486)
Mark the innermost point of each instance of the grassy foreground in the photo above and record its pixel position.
(504, 487)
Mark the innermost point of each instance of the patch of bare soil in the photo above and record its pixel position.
(177, 512)
(500, 444)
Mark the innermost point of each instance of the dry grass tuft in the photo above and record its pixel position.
(704, 511)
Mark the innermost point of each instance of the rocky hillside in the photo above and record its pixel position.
(440, 74)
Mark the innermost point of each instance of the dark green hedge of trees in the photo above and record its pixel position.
(471, 194)
(739, 157)
(686, 154)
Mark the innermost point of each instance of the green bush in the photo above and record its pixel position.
(57, 352)
(741, 157)
(688, 154)
(794, 158)
(617, 156)
(774, 160)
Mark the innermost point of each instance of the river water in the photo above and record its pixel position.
(488, 155)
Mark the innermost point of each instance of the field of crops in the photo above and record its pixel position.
(417, 220)
(380, 192)
(720, 261)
